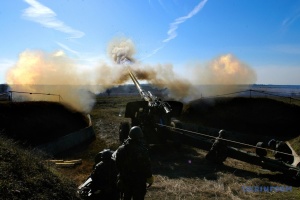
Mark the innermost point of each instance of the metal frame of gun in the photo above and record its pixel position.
(152, 100)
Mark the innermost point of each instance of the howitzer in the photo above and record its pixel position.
(155, 117)
(152, 100)
(148, 113)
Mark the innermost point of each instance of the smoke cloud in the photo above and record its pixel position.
(121, 48)
(224, 74)
(56, 73)
(221, 75)
(122, 51)
(53, 73)
(163, 76)
(227, 69)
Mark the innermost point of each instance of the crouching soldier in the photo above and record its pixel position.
(282, 151)
(218, 152)
(98, 158)
(133, 163)
(104, 177)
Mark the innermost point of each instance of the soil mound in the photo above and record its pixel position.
(25, 175)
(34, 123)
(261, 116)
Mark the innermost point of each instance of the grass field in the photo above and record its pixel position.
(180, 173)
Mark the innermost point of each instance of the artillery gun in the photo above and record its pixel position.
(149, 114)
(157, 119)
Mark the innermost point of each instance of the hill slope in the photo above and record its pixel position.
(24, 175)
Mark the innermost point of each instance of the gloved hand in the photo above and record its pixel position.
(150, 181)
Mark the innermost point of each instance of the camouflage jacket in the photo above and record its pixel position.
(104, 175)
(133, 161)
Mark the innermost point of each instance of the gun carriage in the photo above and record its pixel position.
(157, 119)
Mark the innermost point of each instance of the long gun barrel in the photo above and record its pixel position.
(143, 94)
(152, 100)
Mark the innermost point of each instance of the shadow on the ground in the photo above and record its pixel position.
(173, 162)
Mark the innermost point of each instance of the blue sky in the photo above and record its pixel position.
(264, 34)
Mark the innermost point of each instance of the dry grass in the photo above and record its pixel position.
(296, 144)
(186, 174)
(182, 173)
(179, 173)
(24, 175)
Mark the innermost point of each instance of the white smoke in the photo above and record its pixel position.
(56, 73)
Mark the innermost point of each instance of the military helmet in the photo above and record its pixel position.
(106, 154)
(272, 143)
(136, 133)
(221, 133)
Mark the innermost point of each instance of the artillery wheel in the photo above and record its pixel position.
(123, 131)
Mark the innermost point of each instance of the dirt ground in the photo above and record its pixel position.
(181, 173)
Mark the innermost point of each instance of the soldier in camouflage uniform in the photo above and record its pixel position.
(281, 146)
(218, 152)
(104, 177)
(133, 163)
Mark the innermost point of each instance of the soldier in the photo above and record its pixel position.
(218, 151)
(133, 163)
(260, 151)
(281, 146)
(272, 144)
(99, 156)
(104, 177)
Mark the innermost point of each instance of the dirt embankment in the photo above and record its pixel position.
(25, 175)
(38, 122)
(259, 116)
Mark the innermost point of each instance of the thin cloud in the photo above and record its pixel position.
(287, 49)
(6, 62)
(174, 25)
(289, 21)
(152, 53)
(67, 48)
(47, 17)
(162, 5)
